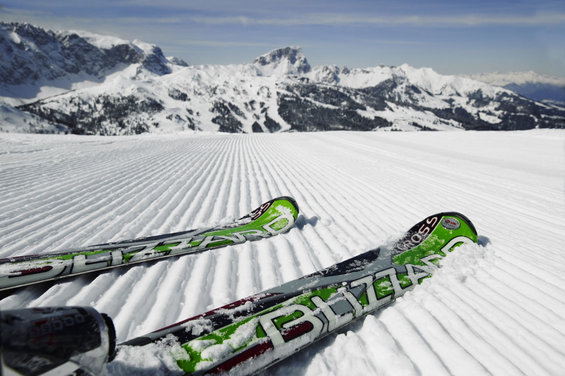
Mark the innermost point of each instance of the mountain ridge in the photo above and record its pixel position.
(120, 87)
(540, 87)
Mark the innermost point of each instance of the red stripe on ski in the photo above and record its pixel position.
(242, 357)
(232, 305)
(34, 270)
(297, 330)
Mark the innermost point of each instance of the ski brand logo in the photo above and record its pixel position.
(450, 223)
(417, 236)
(260, 210)
(291, 325)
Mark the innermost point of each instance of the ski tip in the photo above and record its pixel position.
(461, 217)
(452, 221)
(292, 202)
(438, 233)
(283, 201)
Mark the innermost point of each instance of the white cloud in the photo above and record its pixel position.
(175, 13)
(215, 43)
(338, 19)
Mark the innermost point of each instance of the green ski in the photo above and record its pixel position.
(271, 218)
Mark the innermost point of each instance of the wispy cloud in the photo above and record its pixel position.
(7, 12)
(216, 43)
(175, 13)
(419, 20)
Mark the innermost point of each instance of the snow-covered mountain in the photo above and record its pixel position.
(31, 54)
(284, 61)
(530, 84)
(89, 84)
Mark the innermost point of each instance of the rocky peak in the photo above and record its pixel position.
(30, 53)
(283, 61)
(156, 62)
(26, 30)
(177, 61)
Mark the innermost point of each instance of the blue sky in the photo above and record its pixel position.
(449, 36)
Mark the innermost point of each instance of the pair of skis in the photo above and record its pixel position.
(251, 334)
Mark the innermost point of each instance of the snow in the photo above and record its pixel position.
(425, 78)
(495, 308)
(14, 37)
(282, 62)
(519, 78)
(108, 41)
(42, 89)
(403, 118)
(97, 40)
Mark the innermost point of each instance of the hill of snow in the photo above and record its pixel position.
(518, 78)
(497, 308)
(83, 83)
(532, 85)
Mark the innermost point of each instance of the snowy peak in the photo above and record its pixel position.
(30, 54)
(282, 61)
(150, 55)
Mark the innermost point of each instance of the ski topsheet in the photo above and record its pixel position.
(254, 333)
(271, 218)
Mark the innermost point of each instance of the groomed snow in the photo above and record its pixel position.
(498, 308)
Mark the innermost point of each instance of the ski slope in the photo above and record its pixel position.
(497, 308)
